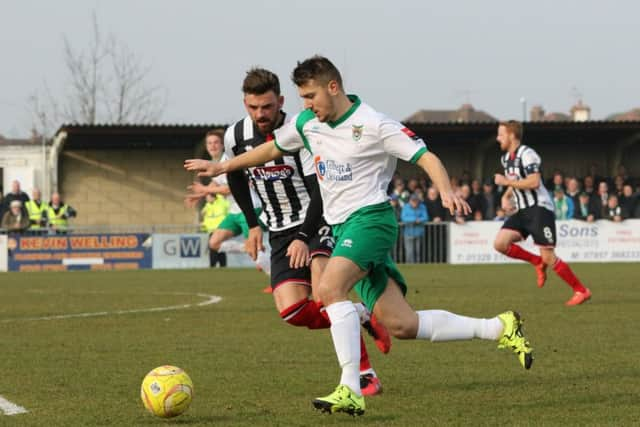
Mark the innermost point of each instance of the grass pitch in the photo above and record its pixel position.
(249, 368)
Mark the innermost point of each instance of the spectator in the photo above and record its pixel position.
(628, 201)
(393, 200)
(619, 184)
(588, 186)
(15, 194)
(490, 200)
(465, 178)
(477, 216)
(584, 210)
(58, 214)
(602, 198)
(455, 185)
(557, 182)
(500, 214)
(563, 204)
(419, 193)
(435, 210)
(423, 183)
(412, 185)
(401, 192)
(476, 196)
(14, 220)
(573, 190)
(37, 212)
(414, 215)
(614, 211)
(465, 193)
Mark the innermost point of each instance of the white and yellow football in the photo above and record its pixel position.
(166, 391)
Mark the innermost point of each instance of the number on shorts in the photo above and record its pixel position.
(325, 236)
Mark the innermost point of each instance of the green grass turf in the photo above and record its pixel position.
(249, 368)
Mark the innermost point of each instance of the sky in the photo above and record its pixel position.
(399, 56)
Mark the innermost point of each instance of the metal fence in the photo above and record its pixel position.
(421, 243)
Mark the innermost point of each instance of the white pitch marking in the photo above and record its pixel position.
(210, 299)
(10, 408)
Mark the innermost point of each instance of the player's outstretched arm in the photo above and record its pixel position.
(432, 165)
(258, 156)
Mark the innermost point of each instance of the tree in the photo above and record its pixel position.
(107, 83)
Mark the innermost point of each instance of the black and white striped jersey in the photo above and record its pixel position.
(280, 183)
(520, 164)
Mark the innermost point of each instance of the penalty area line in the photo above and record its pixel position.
(10, 408)
(210, 299)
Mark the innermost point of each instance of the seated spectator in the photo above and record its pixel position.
(58, 214)
(585, 210)
(500, 214)
(628, 201)
(414, 216)
(14, 220)
(614, 211)
(15, 194)
(563, 205)
(435, 210)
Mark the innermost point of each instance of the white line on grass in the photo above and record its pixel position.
(210, 299)
(10, 408)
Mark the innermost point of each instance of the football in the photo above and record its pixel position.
(166, 391)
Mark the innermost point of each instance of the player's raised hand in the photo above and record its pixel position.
(298, 253)
(203, 167)
(455, 203)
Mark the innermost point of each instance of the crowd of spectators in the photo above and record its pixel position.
(20, 213)
(417, 202)
(587, 198)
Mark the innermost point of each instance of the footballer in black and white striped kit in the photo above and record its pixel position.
(301, 241)
(533, 214)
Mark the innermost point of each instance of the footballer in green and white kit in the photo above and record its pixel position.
(355, 150)
(355, 158)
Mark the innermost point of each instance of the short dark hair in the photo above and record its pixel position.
(259, 81)
(514, 127)
(316, 68)
(215, 132)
